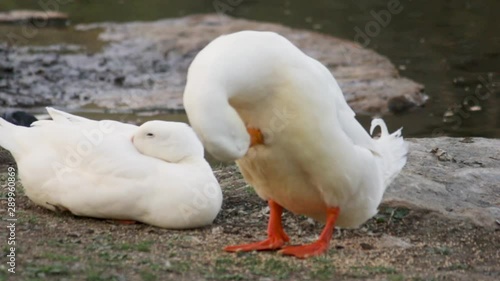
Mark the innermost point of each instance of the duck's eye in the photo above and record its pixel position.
(150, 135)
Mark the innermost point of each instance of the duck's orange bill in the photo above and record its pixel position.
(256, 136)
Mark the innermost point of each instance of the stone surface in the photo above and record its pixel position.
(458, 177)
(144, 66)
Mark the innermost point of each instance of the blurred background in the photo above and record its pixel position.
(452, 47)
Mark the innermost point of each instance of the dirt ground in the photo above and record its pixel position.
(398, 244)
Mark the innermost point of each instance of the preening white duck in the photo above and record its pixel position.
(255, 98)
(155, 173)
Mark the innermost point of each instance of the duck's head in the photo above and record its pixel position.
(173, 142)
(219, 127)
(235, 72)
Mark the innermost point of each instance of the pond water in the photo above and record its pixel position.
(450, 46)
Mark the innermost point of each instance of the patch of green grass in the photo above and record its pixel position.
(222, 265)
(179, 267)
(224, 268)
(226, 276)
(122, 246)
(56, 243)
(400, 213)
(396, 277)
(323, 268)
(111, 257)
(417, 278)
(257, 264)
(250, 190)
(147, 276)
(388, 214)
(99, 276)
(365, 271)
(144, 246)
(274, 267)
(94, 276)
(380, 269)
(47, 270)
(444, 251)
(60, 257)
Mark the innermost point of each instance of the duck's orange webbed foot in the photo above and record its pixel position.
(321, 245)
(256, 136)
(304, 251)
(276, 236)
(271, 243)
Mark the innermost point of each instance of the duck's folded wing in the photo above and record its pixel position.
(64, 117)
(353, 129)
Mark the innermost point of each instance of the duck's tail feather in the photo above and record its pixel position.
(393, 150)
(60, 116)
(8, 135)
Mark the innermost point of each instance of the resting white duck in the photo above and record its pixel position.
(255, 98)
(155, 173)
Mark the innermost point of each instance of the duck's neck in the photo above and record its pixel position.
(217, 124)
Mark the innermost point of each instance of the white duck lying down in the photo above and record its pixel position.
(155, 173)
(255, 98)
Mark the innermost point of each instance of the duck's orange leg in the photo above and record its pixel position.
(276, 236)
(256, 136)
(321, 245)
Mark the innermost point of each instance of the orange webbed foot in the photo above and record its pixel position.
(305, 251)
(321, 245)
(272, 243)
(256, 136)
(276, 236)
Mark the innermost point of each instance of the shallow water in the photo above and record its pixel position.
(452, 47)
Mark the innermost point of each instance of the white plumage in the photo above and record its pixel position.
(315, 154)
(154, 173)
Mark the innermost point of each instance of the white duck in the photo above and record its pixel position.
(154, 173)
(255, 98)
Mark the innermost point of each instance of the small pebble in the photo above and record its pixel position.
(366, 246)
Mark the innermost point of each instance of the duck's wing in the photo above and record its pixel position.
(353, 129)
(346, 117)
(64, 117)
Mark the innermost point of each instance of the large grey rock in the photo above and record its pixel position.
(454, 176)
(145, 65)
